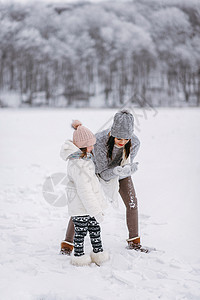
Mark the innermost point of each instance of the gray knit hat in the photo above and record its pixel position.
(123, 124)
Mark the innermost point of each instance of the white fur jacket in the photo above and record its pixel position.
(85, 196)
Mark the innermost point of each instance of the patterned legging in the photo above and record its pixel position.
(83, 224)
(127, 192)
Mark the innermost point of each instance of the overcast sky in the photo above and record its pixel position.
(54, 1)
(58, 1)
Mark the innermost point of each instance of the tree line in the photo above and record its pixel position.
(73, 52)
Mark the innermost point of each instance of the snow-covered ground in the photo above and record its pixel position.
(168, 190)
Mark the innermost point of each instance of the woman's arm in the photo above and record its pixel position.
(135, 147)
(107, 174)
(101, 162)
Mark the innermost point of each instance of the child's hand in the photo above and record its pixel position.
(99, 217)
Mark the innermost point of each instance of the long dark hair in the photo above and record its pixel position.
(110, 144)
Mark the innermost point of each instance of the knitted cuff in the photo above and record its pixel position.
(135, 240)
(67, 245)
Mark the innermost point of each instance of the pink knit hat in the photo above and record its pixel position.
(82, 136)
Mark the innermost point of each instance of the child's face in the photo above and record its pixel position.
(121, 142)
(90, 148)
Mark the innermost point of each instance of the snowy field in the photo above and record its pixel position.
(168, 190)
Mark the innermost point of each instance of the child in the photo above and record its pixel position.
(85, 199)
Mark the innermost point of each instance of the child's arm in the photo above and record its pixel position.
(89, 194)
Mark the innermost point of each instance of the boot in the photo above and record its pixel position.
(134, 244)
(100, 257)
(80, 261)
(66, 248)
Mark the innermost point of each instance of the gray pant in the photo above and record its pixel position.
(127, 192)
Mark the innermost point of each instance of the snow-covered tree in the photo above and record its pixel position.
(110, 48)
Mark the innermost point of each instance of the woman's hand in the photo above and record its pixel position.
(118, 170)
(126, 170)
(134, 167)
(122, 171)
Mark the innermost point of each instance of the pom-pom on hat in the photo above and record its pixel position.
(123, 125)
(82, 136)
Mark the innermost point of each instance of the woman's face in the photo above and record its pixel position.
(90, 148)
(121, 142)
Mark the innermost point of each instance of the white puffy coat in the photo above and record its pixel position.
(85, 196)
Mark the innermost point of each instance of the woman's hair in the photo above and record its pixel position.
(84, 152)
(110, 145)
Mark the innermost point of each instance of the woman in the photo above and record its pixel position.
(114, 152)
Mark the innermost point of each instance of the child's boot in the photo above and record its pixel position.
(66, 248)
(82, 260)
(100, 257)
